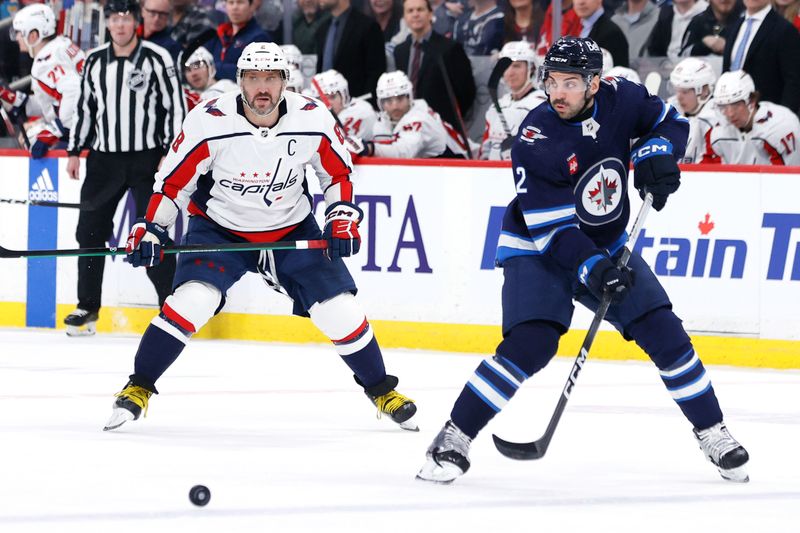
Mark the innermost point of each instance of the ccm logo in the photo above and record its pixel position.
(652, 149)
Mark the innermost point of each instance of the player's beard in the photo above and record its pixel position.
(263, 112)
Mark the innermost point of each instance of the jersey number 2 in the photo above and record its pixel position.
(521, 186)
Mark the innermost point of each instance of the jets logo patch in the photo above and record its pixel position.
(600, 192)
(531, 134)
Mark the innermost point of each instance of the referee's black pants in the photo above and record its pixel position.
(108, 178)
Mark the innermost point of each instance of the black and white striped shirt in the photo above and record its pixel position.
(128, 104)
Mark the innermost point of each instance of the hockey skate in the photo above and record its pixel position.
(81, 323)
(399, 408)
(130, 403)
(724, 451)
(448, 456)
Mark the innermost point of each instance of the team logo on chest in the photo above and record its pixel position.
(600, 192)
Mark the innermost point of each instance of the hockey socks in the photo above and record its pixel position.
(161, 344)
(366, 361)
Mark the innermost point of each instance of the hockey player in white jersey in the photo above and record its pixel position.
(56, 78)
(693, 80)
(238, 166)
(357, 116)
(293, 55)
(408, 128)
(296, 80)
(200, 72)
(623, 72)
(516, 104)
(752, 132)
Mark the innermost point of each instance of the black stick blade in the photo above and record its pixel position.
(521, 451)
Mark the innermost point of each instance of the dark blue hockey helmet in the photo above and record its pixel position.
(573, 54)
(121, 6)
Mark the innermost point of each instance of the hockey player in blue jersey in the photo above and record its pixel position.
(561, 237)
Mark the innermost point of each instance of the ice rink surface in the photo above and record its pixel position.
(287, 442)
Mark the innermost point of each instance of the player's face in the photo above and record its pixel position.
(262, 90)
(396, 106)
(737, 113)
(121, 27)
(23, 46)
(687, 99)
(197, 75)
(516, 75)
(568, 92)
(337, 102)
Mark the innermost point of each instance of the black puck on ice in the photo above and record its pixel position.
(199, 495)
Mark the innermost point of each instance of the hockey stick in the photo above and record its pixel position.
(15, 130)
(494, 80)
(454, 104)
(5, 253)
(537, 448)
(44, 203)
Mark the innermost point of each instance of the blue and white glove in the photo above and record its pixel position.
(655, 170)
(341, 229)
(145, 242)
(600, 274)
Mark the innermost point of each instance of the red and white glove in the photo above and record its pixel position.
(12, 98)
(145, 242)
(341, 229)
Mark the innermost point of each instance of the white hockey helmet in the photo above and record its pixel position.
(394, 84)
(39, 17)
(734, 86)
(292, 54)
(521, 51)
(332, 82)
(624, 72)
(693, 73)
(608, 61)
(262, 56)
(296, 79)
(201, 55)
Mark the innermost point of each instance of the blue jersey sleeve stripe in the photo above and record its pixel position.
(535, 244)
(537, 219)
(664, 109)
(551, 222)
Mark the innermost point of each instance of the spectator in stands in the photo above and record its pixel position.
(636, 19)
(445, 15)
(753, 132)
(241, 30)
(766, 46)
(189, 21)
(706, 32)
(522, 20)
(156, 15)
(596, 24)
(269, 15)
(570, 25)
(351, 43)
(307, 20)
(790, 10)
(407, 127)
(667, 36)
(480, 29)
(427, 57)
(388, 14)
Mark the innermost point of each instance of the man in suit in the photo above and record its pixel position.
(597, 25)
(767, 47)
(351, 43)
(425, 56)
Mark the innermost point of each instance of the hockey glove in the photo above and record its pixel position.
(599, 274)
(341, 229)
(44, 141)
(145, 242)
(655, 170)
(15, 102)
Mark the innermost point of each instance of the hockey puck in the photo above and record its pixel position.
(199, 495)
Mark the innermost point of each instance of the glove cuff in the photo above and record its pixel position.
(655, 146)
(343, 211)
(586, 262)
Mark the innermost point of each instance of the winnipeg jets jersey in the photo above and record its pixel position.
(700, 126)
(420, 133)
(358, 119)
(772, 140)
(251, 180)
(56, 74)
(571, 177)
(514, 112)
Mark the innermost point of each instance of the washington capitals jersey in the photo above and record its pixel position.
(251, 180)
(571, 178)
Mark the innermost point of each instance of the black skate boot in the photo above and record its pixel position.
(448, 456)
(724, 451)
(81, 323)
(130, 402)
(400, 409)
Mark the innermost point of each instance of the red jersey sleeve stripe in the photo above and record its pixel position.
(49, 90)
(185, 171)
(331, 161)
(774, 157)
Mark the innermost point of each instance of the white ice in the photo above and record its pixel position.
(287, 442)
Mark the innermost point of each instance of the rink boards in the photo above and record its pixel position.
(727, 248)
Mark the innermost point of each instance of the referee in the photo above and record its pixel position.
(130, 107)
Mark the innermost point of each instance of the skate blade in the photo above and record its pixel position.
(736, 475)
(409, 425)
(82, 331)
(118, 417)
(442, 474)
